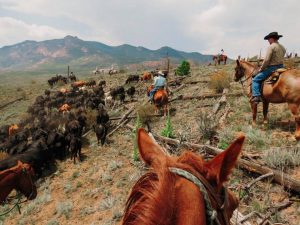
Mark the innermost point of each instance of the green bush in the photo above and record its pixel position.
(138, 124)
(183, 69)
(168, 130)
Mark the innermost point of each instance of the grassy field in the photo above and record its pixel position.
(95, 190)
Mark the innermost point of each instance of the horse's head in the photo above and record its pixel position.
(149, 89)
(26, 183)
(179, 198)
(239, 71)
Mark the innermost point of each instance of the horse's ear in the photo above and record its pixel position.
(238, 62)
(221, 165)
(150, 152)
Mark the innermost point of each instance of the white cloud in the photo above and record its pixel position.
(13, 30)
(194, 25)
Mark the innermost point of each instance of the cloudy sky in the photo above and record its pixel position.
(205, 26)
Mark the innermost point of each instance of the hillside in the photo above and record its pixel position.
(57, 53)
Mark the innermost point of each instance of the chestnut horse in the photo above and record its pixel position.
(182, 190)
(160, 99)
(286, 89)
(220, 58)
(19, 177)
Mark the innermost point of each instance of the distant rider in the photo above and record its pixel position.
(273, 61)
(159, 83)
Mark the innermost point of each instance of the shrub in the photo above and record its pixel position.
(282, 158)
(91, 116)
(168, 130)
(145, 112)
(64, 208)
(219, 81)
(183, 69)
(206, 125)
(289, 63)
(138, 124)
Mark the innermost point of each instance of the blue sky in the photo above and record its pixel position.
(205, 26)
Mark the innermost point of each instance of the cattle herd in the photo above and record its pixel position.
(57, 120)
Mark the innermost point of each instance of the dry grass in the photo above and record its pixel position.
(3, 155)
(282, 158)
(219, 81)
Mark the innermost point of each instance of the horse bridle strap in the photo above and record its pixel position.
(207, 192)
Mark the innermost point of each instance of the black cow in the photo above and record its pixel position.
(101, 132)
(132, 78)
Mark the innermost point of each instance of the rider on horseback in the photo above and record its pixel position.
(159, 83)
(273, 61)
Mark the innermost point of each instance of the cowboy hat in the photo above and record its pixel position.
(272, 35)
(160, 73)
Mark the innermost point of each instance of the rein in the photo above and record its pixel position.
(208, 194)
(247, 78)
(17, 204)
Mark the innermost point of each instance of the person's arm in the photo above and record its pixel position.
(267, 58)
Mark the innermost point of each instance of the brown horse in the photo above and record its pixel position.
(182, 190)
(160, 99)
(286, 89)
(19, 177)
(220, 58)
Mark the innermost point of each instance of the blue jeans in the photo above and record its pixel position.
(260, 77)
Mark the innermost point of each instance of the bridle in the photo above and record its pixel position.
(247, 78)
(215, 207)
(17, 204)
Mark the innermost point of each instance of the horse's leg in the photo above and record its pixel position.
(265, 112)
(295, 109)
(254, 113)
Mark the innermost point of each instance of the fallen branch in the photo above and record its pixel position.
(275, 209)
(11, 102)
(204, 96)
(196, 82)
(248, 186)
(221, 102)
(132, 117)
(120, 125)
(239, 219)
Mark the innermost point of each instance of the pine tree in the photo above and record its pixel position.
(183, 69)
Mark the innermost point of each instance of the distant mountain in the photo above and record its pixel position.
(56, 53)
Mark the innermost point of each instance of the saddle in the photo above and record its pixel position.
(273, 78)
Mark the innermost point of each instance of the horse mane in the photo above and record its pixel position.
(152, 189)
(157, 188)
(248, 63)
(7, 171)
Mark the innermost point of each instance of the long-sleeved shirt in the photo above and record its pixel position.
(274, 56)
(159, 81)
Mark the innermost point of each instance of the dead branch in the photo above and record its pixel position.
(11, 102)
(275, 209)
(133, 117)
(221, 102)
(250, 215)
(120, 125)
(271, 174)
(204, 96)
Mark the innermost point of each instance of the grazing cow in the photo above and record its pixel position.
(130, 91)
(91, 83)
(109, 101)
(75, 148)
(13, 129)
(101, 132)
(132, 78)
(110, 72)
(102, 83)
(102, 117)
(146, 76)
(64, 108)
(78, 84)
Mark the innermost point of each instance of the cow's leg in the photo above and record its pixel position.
(295, 109)
(265, 112)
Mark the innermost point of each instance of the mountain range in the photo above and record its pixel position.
(70, 50)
